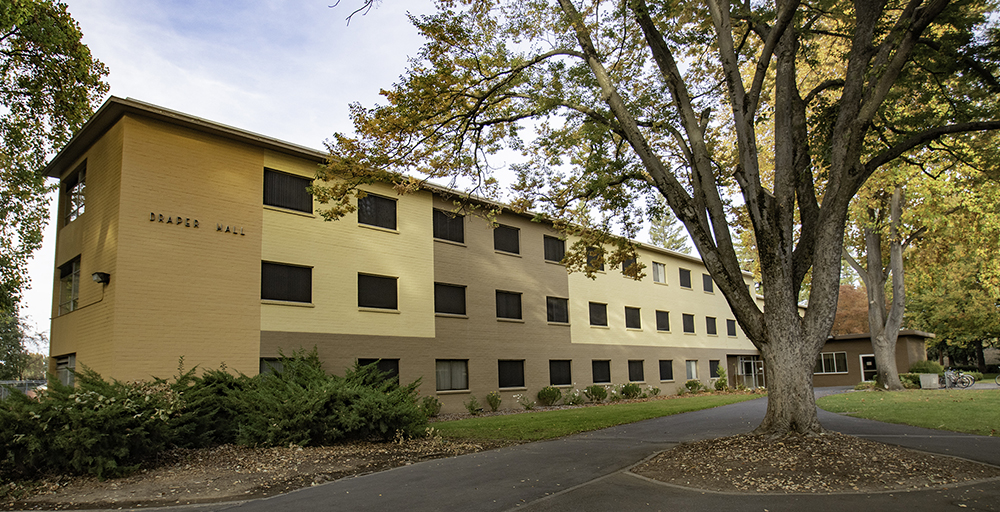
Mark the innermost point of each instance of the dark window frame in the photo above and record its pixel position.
(707, 284)
(713, 368)
(633, 318)
(601, 371)
(384, 365)
(687, 320)
(447, 304)
(507, 239)
(374, 210)
(560, 372)
(370, 297)
(449, 226)
(285, 282)
(636, 372)
(281, 191)
(75, 192)
(666, 370)
(662, 321)
(711, 326)
(554, 248)
(731, 328)
(510, 373)
(684, 278)
(451, 385)
(557, 310)
(603, 314)
(506, 304)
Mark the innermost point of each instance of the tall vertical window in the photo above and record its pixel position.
(706, 282)
(510, 374)
(685, 278)
(508, 305)
(632, 318)
(557, 310)
(377, 211)
(290, 283)
(659, 273)
(287, 191)
(377, 292)
(65, 366)
(713, 368)
(595, 258)
(635, 371)
(75, 189)
(598, 314)
(560, 372)
(688, 321)
(710, 326)
(602, 371)
(662, 320)
(452, 374)
(507, 239)
(555, 249)
(69, 286)
(730, 327)
(666, 369)
(449, 226)
(449, 299)
(692, 369)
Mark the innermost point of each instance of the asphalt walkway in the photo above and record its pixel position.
(587, 472)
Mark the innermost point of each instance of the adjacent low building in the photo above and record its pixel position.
(183, 238)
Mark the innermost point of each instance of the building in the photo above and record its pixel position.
(849, 359)
(181, 237)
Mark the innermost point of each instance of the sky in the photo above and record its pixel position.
(288, 69)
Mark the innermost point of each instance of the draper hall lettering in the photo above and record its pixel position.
(180, 221)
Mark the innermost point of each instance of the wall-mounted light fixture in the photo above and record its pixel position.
(101, 277)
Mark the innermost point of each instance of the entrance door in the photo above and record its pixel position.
(751, 371)
(868, 369)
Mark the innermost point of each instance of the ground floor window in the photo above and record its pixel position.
(65, 366)
(602, 371)
(831, 362)
(666, 369)
(560, 372)
(635, 371)
(713, 369)
(390, 367)
(452, 374)
(510, 373)
(692, 369)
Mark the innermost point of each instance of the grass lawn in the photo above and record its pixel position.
(958, 410)
(535, 426)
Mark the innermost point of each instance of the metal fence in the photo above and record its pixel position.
(20, 385)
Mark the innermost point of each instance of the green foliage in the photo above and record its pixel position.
(631, 390)
(910, 378)
(525, 401)
(926, 367)
(695, 386)
(666, 231)
(549, 395)
(472, 405)
(961, 410)
(653, 390)
(49, 86)
(722, 383)
(865, 385)
(574, 397)
(430, 406)
(596, 393)
(13, 356)
(493, 399)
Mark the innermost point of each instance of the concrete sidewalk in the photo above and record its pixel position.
(586, 472)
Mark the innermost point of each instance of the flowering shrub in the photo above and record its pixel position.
(573, 397)
(652, 391)
(525, 402)
(493, 399)
(430, 405)
(596, 393)
(549, 395)
(473, 406)
(631, 390)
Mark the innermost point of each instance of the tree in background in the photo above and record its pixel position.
(629, 101)
(666, 231)
(852, 311)
(49, 86)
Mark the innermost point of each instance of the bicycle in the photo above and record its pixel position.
(962, 380)
(997, 379)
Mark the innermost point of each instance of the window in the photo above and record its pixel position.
(688, 323)
(449, 299)
(630, 268)
(659, 273)
(287, 191)
(666, 369)
(602, 371)
(595, 259)
(692, 369)
(390, 367)
(685, 278)
(730, 327)
(706, 282)
(510, 374)
(710, 326)
(831, 362)
(508, 305)
(75, 188)
(269, 365)
(449, 226)
(632, 318)
(65, 368)
(507, 239)
(452, 374)
(377, 211)
(555, 249)
(377, 292)
(69, 286)
(598, 314)
(285, 282)
(635, 373)
(560, 372)
(557, 310)
(713, 368)
(662, 320)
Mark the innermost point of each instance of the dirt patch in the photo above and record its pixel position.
(828, 463)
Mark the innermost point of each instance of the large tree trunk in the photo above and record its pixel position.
(980, 356)
(791, 403)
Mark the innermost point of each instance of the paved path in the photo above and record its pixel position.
(585, 472)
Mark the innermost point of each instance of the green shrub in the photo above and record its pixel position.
(926, 367)
(722, 383)
(472, 405)
(653, 391)
(574, 398)
(430, 405)
(596, 393)
(549, 395)
(631, 390)
(493, 399)
(865, 384)
(695, 386)
(525, 402)
(910, 378)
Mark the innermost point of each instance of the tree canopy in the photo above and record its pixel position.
(616, 103)
(49, 86)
